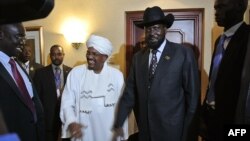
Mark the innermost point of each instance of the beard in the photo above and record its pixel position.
(154, 45)
(57, 62)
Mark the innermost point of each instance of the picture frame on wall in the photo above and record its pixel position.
(34, 38)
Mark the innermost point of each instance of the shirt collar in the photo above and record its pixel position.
(54, 66)
(27, 63)
(160, 49)
(4, 58)
(233, 29)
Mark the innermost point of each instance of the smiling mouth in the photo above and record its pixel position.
(91, 62)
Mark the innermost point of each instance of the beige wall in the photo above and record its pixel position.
(107, 17)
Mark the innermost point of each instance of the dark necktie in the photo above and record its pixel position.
(153, 65)
(216, 63)
(58, 78)
(22, 87)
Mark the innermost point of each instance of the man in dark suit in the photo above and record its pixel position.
(28, 60)
(220, 105)
(163, 82)
(242, 115)
(19, 102)
(49, 82)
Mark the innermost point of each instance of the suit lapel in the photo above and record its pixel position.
(51, 76)
(232, 50)
(65, 73)
(31, 69)
(164, 61)
(144, 67)
(4, 73)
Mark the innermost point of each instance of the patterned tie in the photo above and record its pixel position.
(153, 65)
(22, 87)
(58, 78)
(216, 63)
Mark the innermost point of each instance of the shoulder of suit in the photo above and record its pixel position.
(182, 48)
(37, 65)
(175, 46)
(46, 68)
(142, 51)
(67, 68)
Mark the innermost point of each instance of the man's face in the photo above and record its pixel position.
(57, 55)
(226, 13)
(154, 35)
(27, 53)
(95, 59)
(12, 38)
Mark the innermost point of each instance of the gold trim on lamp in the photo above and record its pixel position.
(76, 45)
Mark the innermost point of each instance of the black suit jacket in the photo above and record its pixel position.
(167, 109)
(242, 115)
(33, 66)
(46, 88)
(17, 115)
(228, 81)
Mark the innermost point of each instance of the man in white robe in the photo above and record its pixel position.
(90, 96)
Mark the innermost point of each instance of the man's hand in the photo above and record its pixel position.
(75, 130)
(117, 132)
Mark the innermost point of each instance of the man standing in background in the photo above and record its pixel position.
(19, 102)
(28, 60)
(49, 82)
(223, 94)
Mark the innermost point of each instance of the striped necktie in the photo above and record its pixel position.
(58, 77)
(153, 65)
(22, 87)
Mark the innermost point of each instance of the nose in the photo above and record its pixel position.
(90, 56)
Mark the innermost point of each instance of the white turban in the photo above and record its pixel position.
(101, 44)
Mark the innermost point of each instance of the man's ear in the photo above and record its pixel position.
(166, 29)
(105, 57)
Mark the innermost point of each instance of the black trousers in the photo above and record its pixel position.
(214, 128)
(134, 137)
(68, 139)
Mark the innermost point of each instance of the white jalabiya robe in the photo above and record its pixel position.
(90, 99)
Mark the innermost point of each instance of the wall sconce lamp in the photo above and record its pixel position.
(76, 45)
(76, 39)
(75, 32)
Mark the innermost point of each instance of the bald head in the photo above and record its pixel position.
(12, 38)
(229, 12)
